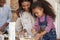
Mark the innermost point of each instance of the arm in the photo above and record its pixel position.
(36, 26)
(7, 22)
(49, 26)
(3, 27)
(18, 26)
(47, 29)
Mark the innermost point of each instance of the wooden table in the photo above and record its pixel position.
(26, 38)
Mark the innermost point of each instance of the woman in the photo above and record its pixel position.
(26, 19)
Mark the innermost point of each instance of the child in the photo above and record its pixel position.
(26, 19)
(44, 21)
(5, 16)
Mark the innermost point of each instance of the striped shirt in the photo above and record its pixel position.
(50, 23)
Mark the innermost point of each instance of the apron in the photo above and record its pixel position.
(48, 36)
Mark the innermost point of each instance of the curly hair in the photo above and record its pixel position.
(48, 9)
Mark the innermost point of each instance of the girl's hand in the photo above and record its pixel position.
(38, 36)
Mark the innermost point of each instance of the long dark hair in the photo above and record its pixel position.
(20, 1)
(20, 9)
(48, 9)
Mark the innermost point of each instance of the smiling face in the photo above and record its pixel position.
(38, 11)
(26, 5)
(2, 2)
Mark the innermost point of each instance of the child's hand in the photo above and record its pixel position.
(33, 30)
(38, 36)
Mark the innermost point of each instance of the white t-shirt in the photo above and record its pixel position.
(27, 21)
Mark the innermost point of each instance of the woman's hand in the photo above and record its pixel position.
(38, 36)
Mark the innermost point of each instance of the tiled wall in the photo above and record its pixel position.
(14, 4)
(14, 7)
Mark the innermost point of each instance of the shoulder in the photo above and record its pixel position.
(7, 7)
(49, 18)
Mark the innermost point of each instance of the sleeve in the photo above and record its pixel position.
(26, 21)
(36, 25)
(32, 21)
(9, 18)
(49, 24)
(18, 25)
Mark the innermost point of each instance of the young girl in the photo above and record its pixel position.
(45, 18)
(26, 19)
